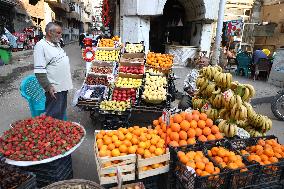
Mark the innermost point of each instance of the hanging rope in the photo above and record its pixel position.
(105, 13)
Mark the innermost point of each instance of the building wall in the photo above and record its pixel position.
(23, 18)
(273, 13)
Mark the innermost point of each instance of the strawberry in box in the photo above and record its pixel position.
(120, 94)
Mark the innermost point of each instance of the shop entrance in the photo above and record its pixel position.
(170, 28)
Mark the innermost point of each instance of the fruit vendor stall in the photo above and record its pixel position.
(124, 80)
(220, 143)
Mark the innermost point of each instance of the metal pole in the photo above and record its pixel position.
(218, 38)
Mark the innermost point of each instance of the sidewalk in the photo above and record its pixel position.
(21, 61)
(264, 91)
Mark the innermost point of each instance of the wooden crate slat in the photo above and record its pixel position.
(149, 173)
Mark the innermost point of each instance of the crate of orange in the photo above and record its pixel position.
(153, 165)
(119, 147)
(267, 153)
(242, 173)
(194, 169)
(163, 62)
(109, 44)
(110, 153)
(188, 128)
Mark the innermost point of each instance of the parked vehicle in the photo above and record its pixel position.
(277, 105)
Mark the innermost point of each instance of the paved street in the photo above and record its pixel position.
(14, 107)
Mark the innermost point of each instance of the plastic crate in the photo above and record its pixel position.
(269, 186)
(238, 178)
(150, 182)
(30, 183)
(68, 175)
(51, 172)
(268, 174)
(189, 179)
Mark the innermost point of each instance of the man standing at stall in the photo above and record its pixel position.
(52, 69)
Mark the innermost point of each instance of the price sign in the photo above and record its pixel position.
(119, 178)
(110, 78)
(228, 94)
(166, 117)
(206, 107)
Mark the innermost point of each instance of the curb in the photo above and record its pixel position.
(262, 100)
(28, 53)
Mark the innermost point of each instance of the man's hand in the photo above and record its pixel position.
(52, 92)
(190, 92)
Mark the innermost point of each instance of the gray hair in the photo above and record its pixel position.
(51, 26)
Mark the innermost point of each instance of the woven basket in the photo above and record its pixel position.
(85, 184)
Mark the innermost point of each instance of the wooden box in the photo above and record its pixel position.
(141, 162)
(126, 163)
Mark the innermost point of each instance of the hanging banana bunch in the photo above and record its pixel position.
(212, 113)
(230, 129)
(254, 133)
(242, 123)
(246, 91)
(218, 101)
(261, 122)
(223, 80)
(239, 112)
(210, 71)
(198, 103)
(225, 114)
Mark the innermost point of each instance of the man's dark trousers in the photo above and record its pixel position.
(56, 108)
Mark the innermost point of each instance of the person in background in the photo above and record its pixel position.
(40, 34)
(231, 57)
(189, 85)
(81, 40)
(62, 44)
(52, 69)
(258, 54)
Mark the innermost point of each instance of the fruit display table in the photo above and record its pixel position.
(117, 84)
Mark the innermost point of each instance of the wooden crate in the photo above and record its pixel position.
(127, 166)
(141, 162)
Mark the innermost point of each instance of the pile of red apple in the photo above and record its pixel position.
(124, 94)
(132, 69)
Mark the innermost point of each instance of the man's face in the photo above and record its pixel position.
(55, 34)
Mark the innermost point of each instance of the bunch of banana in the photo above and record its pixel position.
(234, 99)
(229, 129)
(217, 101)
(202, 85)
(198, 103)
(239, 112)
(261, 122)
(225, 114)
(212, 113)
(254, 133)
(210, 89)
(234, 85)
(242, 123)
(199, 81)
(250, 110)
(246, 91)
(210, 71)
(223, 80)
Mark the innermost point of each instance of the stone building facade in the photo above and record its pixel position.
(133, 20)
(73, 15)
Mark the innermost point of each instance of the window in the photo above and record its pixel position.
(33, 2)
